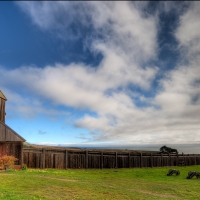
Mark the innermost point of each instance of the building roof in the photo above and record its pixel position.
(2, 96)
(9, 135)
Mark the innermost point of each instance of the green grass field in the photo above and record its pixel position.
(145, 183)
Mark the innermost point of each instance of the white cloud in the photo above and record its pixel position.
(28, 107)
(46, 14)
(188, 32)
(120, 23)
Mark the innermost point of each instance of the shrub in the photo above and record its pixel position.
(9, 160)
(24, 167)
(165, 149)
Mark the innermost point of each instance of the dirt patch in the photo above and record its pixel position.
(4, 173)
(110, 186)
(59, 179)
(157, 195)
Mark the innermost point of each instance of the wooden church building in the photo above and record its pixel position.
(11, 143)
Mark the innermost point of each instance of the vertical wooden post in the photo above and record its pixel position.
(141, 161)
(129, 159)
(2, 107)
(161, 160)
(183, 158)
(66, 159)
(189, 159)
(43, 158)
(151, 160)
(115, 159)
(55, 161)
(195, 162)
(52, 160)
(177, 161)
(86, 159)
(198, 159)
(101, 159)
(22, 159)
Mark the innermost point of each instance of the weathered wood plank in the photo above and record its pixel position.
(9, 135)
(43, 159)
(66, 159)
(101, 159)
(86, 159)
(116, 159)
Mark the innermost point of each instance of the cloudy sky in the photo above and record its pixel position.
(101, 72)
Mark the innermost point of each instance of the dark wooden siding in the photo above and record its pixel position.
(12, 149)
(7, 134)
(2, 132)
(11, 143)
(2, 110)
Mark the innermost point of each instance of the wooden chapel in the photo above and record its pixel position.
(11, 143)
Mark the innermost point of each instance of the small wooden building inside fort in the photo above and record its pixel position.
(11, 143)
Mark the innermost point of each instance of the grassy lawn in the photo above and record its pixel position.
(145, 183)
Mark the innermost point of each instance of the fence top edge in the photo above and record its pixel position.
(111, 152)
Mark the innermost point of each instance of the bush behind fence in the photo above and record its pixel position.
(80, 159)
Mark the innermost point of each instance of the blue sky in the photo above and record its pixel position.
(101, 73)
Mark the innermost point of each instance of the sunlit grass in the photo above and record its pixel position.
(145, 183)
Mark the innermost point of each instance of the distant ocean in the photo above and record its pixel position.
(182, 148)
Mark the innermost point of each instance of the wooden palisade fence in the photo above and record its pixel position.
(99, 159)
